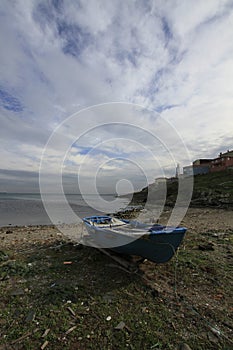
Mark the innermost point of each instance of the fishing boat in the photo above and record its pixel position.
(155, 242)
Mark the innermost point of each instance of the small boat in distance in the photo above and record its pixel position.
(156, 242)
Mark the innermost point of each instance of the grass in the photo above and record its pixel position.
(186, 300)
(212, 189)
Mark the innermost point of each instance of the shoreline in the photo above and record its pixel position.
(195, 220)
(127, 213)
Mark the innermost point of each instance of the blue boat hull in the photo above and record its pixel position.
(159, 249)
(157, 243)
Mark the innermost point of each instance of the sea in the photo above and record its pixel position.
(23, 209)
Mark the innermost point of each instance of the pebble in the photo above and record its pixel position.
(120, 325)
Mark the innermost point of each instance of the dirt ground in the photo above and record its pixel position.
(183, 304)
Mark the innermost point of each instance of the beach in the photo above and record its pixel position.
(57, 294)
(197, 220)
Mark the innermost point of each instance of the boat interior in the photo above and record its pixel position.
(105, 221)
(121, 226)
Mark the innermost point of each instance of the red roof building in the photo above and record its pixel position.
(224, 161)
(204, 166)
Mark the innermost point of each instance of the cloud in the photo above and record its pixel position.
(58, 57)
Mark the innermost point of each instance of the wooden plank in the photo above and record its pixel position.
(131, 267)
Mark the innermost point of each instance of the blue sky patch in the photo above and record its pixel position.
(10, 102)
(166, 30)
(76, 39)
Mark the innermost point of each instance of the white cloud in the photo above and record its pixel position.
(58, 57)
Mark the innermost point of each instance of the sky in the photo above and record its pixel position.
(112, 93)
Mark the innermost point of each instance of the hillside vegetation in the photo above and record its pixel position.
(212, 190)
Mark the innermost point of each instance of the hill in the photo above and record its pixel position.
(211, 190)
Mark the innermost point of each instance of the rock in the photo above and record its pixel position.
(120, 326)
(205, 247)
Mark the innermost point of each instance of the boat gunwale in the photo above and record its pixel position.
(172, 230)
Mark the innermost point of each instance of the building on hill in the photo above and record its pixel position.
(188, 170)
(199, 166)
(226, 154)
(204, 166)
(202, 162)
(222, 162)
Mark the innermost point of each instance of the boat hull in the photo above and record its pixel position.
(157, 245)
(159, 249)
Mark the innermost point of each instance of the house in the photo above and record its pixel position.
(203, 166)
(222, 162)
(205, 162)
(200, 166)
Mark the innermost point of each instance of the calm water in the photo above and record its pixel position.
(28, 209)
